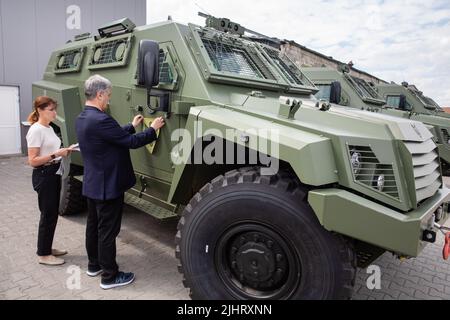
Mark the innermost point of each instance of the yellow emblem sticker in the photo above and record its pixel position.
(147, 123)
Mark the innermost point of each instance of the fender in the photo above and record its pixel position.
(302, 150)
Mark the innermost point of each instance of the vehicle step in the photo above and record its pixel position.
(149, 208)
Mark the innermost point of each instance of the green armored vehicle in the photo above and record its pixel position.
(281, 196)
(407, 98)
(338, 86)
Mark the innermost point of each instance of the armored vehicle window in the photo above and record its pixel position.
(286, 70)
(324, 91)
(431, 103)
(165, 73)
(365, 89)
(394, 102)
(285, 67)
(110, 53)
(231, 59)
(69, 61)
(418, 95)
(169, 67)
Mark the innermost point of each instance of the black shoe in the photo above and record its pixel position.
(94, 272)
(122, 279)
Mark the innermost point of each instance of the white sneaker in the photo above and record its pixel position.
(94, 273)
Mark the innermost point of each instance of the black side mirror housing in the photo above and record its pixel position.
(335, 92)
(402, 103)
(148, 63)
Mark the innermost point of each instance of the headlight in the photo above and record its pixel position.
(380, 182)
(356, 161)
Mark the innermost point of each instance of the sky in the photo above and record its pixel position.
(395, 40)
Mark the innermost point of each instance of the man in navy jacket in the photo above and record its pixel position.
(108, 173)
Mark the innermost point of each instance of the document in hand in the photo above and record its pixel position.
(75, 147)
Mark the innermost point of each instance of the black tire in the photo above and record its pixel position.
(72, 201)
(445, 168)
(243, 223)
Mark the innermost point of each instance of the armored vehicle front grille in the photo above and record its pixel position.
(285, 69)
(229, 58)
(368, 170)
(427, 173)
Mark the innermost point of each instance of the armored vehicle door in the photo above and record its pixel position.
(160, 100)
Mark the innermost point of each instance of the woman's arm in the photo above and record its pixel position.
(35, 160)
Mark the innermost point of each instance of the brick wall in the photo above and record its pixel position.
(307, 58)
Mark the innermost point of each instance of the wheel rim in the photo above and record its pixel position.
(256, 262)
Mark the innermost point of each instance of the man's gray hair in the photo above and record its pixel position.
(95, 84)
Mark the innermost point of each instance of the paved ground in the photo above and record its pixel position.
(146, 247)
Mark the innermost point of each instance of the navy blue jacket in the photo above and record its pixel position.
(104, 146)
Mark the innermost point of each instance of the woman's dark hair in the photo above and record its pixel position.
(41, 103)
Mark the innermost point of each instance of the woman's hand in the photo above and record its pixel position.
(35, 160)
(63, 152)
(158, 123)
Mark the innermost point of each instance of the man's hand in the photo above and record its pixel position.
(137, 120)
(157, 123)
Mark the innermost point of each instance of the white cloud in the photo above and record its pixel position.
(396, 40)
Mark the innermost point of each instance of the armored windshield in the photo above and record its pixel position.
(230, 58)
(234, 59)
(364, 90)
(288, 70)
(427, 102)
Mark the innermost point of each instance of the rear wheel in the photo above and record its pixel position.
(247, 236)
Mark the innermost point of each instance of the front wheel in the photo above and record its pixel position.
(247, 236)
(445, 168)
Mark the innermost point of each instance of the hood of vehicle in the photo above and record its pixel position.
(348, 121)
(402, 129)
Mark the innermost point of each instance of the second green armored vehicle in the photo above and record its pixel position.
(407, 98)
(280, 195)
(339, 87)
(401, 101)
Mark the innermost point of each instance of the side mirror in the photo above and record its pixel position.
(148, 63)
(335, 92)
(402, 102)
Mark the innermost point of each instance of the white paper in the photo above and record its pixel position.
(75, 147)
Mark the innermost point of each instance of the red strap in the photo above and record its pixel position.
(446, 250)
